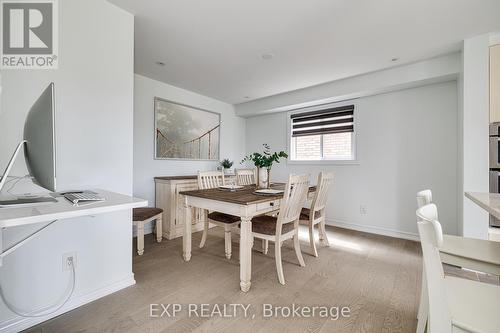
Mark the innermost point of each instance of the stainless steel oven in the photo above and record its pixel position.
(494, 165)
(494, 146)
(494, 188)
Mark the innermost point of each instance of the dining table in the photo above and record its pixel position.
(243, 202)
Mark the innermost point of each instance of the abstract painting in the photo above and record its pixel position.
(185, 132)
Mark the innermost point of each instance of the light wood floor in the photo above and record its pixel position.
(377, 277)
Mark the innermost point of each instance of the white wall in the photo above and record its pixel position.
(475, 119)
(94, 101)
(145, 166)
(406, 141)
(439, 69)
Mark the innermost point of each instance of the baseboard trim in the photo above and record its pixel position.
(372, 229)
(18, 323)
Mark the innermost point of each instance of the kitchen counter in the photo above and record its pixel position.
(488, 201)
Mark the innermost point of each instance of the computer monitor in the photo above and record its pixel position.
(39, 148)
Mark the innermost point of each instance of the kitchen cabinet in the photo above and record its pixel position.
(495, 83)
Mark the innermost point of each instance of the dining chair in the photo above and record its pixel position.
(476, 254)
(455, 304)
(316, 214)
(245, 176)
(423, 198)
(286, 225)
(210, 180)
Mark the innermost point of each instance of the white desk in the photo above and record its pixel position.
(63, 209)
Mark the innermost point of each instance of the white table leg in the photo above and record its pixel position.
(186, 237)
(246, 242)
(159, 225)
(140, 238)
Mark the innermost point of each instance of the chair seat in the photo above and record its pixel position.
(144, 213)
(306, 212)
(474, 306)
(267, 225)
(223, 218)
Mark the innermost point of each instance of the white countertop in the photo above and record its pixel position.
(63, 209)
(488, 201)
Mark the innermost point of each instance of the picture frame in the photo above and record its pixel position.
(184, 132)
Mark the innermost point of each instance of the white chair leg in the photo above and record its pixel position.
(279, 266)
(159, 231)
(423, 307)
(205, 233)
(311, 240)
(227, 240)
(296, 245)
(265, 246)
(322, 234)
(140, 238)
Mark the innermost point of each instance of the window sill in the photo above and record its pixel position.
(324, 162)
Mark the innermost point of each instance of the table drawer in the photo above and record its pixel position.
(270, 205)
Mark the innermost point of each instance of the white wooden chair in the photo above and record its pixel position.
(455, 305)
(476, 254)
(286, 224)
(423, 198)
(316, 214)
(209, 180)
(245, 176)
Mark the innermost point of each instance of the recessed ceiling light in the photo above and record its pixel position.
(267, 56)
(394, 59)
(160, 63)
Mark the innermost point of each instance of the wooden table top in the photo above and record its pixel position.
(244, 196)
(185, 177)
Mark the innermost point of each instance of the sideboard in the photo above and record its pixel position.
(168, 198)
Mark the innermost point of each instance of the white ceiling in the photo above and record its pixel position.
(215, 47)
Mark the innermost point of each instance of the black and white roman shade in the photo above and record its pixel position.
(326, 121)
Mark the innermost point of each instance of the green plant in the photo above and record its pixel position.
(226, 163)
(266, 159)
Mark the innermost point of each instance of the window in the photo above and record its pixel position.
(323, 135)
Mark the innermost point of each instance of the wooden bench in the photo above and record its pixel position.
(142, 216)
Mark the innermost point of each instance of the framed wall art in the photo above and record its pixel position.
(185, 132)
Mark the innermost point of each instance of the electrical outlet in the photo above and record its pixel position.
(363, 210)
(66, 265)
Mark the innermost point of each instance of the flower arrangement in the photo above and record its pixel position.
(265, 161)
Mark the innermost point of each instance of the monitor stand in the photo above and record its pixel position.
(19, 201)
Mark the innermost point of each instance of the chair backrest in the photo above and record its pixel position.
(325, 180)
(429, 213)
(210, 179)
(424, 198)
(294, 198)
(245, 176)
(430, 236)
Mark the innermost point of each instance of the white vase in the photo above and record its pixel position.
(262, 177)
